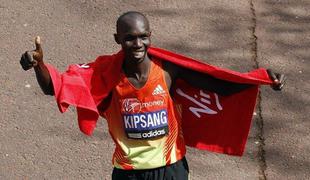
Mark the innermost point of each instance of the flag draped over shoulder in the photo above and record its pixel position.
(209, 121)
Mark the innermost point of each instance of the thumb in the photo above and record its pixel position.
(38, 43)
(38, 52)
(272, 76)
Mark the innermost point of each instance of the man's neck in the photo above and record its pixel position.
(137, 70)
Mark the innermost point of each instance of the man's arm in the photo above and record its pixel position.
(35, 59)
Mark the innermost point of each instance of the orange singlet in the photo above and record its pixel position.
(144, 123)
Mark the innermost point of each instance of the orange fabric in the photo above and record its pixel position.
(151, 98)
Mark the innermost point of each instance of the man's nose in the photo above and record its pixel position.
(138, 42)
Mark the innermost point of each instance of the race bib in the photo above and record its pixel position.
(144, 120)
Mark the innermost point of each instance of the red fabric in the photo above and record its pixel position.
(225, 131)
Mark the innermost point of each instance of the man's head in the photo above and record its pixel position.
(133, 33)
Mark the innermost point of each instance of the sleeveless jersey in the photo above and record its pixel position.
(144, 123)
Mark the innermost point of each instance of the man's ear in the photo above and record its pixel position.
(116, 38)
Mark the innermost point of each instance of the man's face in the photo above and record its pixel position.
(134, 36)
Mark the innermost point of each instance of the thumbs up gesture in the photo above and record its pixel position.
(32, 58)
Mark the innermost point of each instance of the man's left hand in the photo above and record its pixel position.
(278, 80)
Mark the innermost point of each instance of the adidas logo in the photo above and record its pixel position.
(158, 90)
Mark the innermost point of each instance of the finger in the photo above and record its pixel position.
(29, 57)
(23, 57)
(280, 86)
(35, 57)
(283, 81)
(281, 77)
(272, 76)
(38, 43)
(24, 62)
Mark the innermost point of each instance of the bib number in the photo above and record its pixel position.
(146, 125)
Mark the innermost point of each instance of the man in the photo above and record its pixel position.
(143, 120)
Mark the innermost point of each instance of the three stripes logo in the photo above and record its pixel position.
(158, 90)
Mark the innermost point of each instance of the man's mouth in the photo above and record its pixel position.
(138, 53)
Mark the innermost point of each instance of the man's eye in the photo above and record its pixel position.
(129, 38)
(144, 37)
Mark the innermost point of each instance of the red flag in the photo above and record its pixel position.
(211, 122)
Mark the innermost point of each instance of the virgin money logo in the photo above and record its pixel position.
(132, 105)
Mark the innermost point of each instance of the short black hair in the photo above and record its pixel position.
(130, 14)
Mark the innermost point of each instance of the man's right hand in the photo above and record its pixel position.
(32, 58)
(35, 59)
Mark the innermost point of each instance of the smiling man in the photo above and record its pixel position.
(143, 120)
(133, 34)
